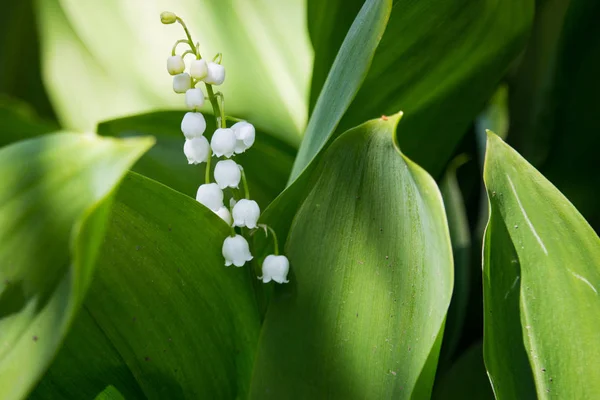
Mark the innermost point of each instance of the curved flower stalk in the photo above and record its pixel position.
(225, 143)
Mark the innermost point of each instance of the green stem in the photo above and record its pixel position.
(177, 43)
(187, 33)
(245, 182)
(275, 241)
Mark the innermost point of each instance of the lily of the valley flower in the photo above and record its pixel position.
(245, 135)
(223, 142)
(196, 150)
(198, 69)
(246, 213)
(225, 215)
(181, 83)
(194, 98)
(228, 174)
(175, 65)
(210, 195)
(216, 74)
(193, 125)
(236, 251)
(275, 268)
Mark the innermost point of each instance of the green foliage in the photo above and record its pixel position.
(54, 201)
(541, 279)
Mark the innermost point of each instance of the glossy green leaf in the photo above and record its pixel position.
(370, 282)
(110, 393)
(438, 61)
(460, 238)
(54, 199)
(541, 280)
(167, 319)
(466, 379)
(344, 80)
(267, 163)
(19, 122)
(124, 47)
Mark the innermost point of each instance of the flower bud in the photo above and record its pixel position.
(196, 150)
(193, 125)
(275, 268)
(246, 213)
(216, 74)
(244, 134)
(236, 251)
(194, 98)
(198, 69)
(225, 215)
(210, 195)
(167, 17)
(181, 83)
(175, 65)
(227, 174)
(223, 142)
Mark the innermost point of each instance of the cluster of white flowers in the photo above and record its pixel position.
(225, 143)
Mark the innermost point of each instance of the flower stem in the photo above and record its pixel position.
(275, 241)
(245, 182)
(177, 43)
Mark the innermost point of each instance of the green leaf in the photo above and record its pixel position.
(110, 393)
(466, 379)
(124, 48)
(344, 80)
(267, 163)
(371, 278)
(19, 122)
(460, 238)
(54, 200)
(541, 280)
(438, 61)
(168, 319)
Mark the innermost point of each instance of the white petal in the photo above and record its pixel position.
(275, 268)
(181, 83)
(196, 150)
(216, 74)
(175, 65)
(245, 135)
(227, 174)
(198, 69)
(193, 125)
(246, 213)
(225, 215)
(194, 98)
(236, 251)
(210, 196)
(223, 142)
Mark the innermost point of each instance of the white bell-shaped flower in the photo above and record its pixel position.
(246, 213)
(275, 268)
(228, 174)
(210, 195)
(194, 98)
(198, 69)
(244, 135)
(193, 125)
(216, 74)
(196, 150)
(225, 215)
(236, 251)
(181, 83)
(223, 142)
(175, 65)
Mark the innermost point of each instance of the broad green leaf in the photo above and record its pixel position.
(54, 200)
(344, 80)
(466, 379)
(541, 280)
(370, 281)
(438, 61)
(460, 238)
(124, 47)
(19, 122)
(168, 319)
(110, 393)
(267, 163)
